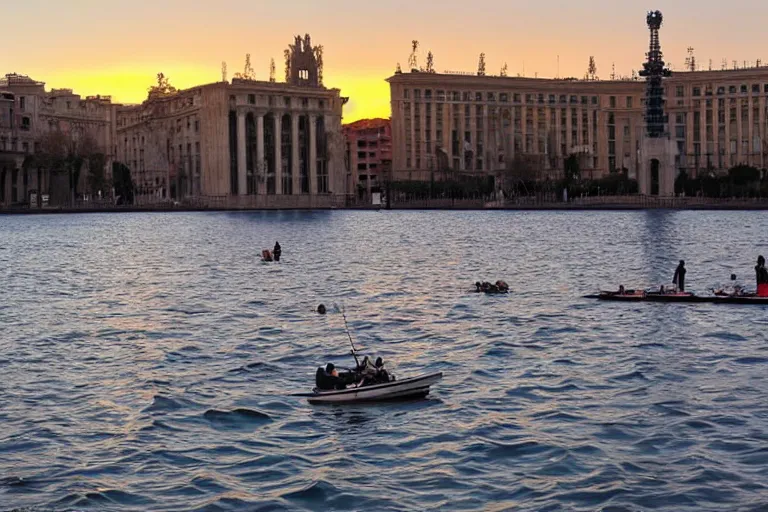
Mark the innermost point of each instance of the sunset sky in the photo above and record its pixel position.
(117, 47)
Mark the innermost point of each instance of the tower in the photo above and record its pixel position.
(657, 151)
(302, 66)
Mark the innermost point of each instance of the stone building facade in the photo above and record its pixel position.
(369, 152)
(242, 143)
(476, 124)
(27, 112)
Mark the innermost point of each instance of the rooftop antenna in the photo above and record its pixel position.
(710, 64)
(413, 60)
(223, 71)
(613, 71)
(690, 61)
(558, 66)
(724, 64)
(272, 70)
(481, 65)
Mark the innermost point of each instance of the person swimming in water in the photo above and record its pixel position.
(277, 251)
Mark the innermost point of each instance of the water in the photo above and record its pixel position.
(147, 361)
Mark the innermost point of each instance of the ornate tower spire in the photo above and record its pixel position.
(654, 72)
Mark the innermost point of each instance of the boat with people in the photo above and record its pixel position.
(661, 295)
(367, 382)
(491, 288)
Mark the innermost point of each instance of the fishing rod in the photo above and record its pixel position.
(346, 328)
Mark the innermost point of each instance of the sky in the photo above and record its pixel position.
(117, 47)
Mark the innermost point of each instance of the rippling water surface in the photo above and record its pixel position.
(147, 362)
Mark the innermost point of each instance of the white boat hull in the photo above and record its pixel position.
(397, 390)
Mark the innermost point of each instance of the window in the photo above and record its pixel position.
(464, 96)
(321, 104)
(25, 123)
(252, 99)
(756, 88)
(680, 118)
(584, 100)
(504, 97)
(22, 103)
(478, 96)
(732, 89)
(743, 89)
(697, 91)
(574, 100)
(428, 94)
(680, 132)
(629, 101)
(440, 95)
(305, 102)
(491, 97)
(517, 96)
(594, 100)
(287, 101)
(406, 94)
(720, 91)
(626, 131)
(197, 125)
(765, 88)
(613, 102)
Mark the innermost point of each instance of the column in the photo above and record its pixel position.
(278, 153)
(313, 154)
(762, 133)
(295, 152)
(242, 188)
(750, 132)
(261, 161)
(740, 132)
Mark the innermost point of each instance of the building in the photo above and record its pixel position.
(244, 143)
(27, 112)
(478, 124)
(369, 151)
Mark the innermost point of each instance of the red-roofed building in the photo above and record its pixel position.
(369, 152)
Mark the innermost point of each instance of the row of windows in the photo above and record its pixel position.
(271, 101)
(732, 89)
(503, 97)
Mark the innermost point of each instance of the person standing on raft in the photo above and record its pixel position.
(761, 274)
(277, 251)
(679, 278)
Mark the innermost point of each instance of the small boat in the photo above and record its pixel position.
(491, 288)
(738, 299)
(647, 296)
(414, 387)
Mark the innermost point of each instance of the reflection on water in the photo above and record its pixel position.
(149, 361)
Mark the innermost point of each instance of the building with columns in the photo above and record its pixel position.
(476, 124)
(27, 112)
(244, 143)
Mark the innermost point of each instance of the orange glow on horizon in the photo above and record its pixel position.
(368, 96)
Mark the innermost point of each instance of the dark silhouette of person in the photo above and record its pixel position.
(761, 275)
(321, 309)
(277, 251)
(679, 278)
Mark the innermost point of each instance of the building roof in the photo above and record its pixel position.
(364, 124)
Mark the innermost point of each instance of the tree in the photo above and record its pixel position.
(571, 168)
(124, 186)
(64, 155)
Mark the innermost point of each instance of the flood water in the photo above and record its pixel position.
(147, 362)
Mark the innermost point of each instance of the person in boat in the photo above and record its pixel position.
(622, 291)
(761, 275)
(266, 255)
(679, 277)
(321, 309)
(502, 286)
(328, 378)
(372, 374)
(277, 251)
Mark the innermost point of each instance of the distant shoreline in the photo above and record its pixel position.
(552, 207)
